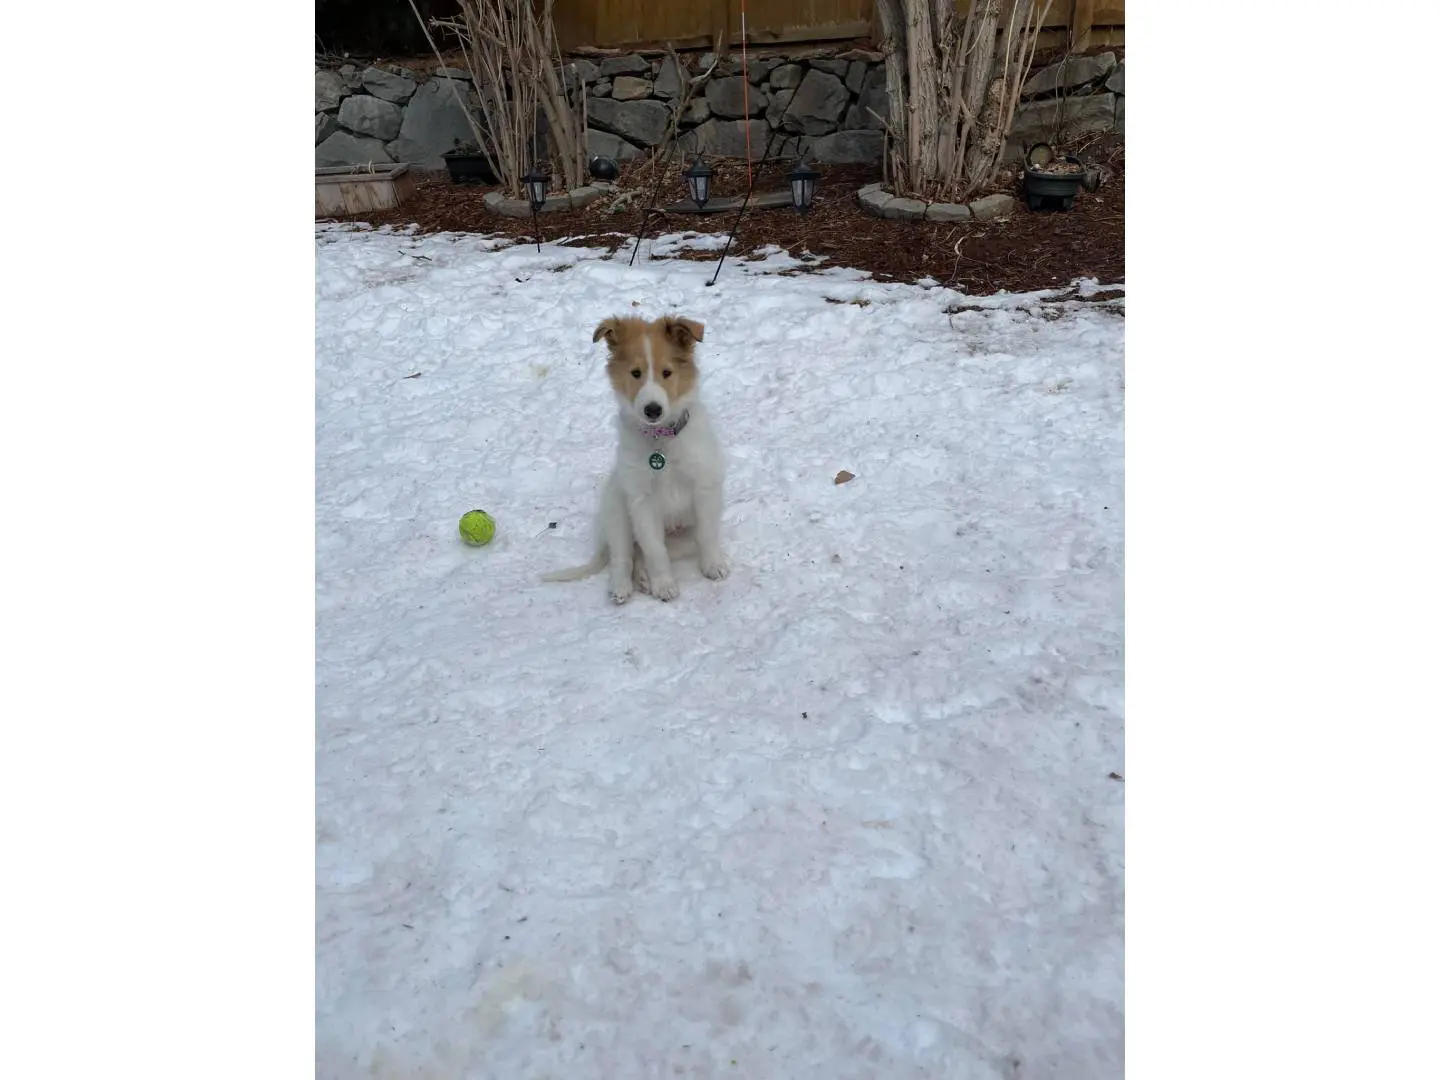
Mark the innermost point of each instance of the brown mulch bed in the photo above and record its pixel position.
(1022, 252)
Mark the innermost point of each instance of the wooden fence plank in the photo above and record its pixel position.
(620, 24)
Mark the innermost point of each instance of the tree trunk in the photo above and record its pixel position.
(953, 86)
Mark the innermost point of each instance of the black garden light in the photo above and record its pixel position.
(697, 181)
(802, 186)
(535, 184)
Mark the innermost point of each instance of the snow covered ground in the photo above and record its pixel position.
(847, 814)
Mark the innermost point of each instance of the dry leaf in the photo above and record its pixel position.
(844, 476)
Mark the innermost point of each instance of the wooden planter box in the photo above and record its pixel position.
(355, 189)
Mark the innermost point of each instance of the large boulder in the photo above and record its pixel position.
(697, 112)
(641, 122)
(606, 145)
(384, 84)
(632, 64)
(818, 105)
(342, 148)
(1057, 119)
(870, 111)
(779, 103)
(729, 98)
(630, 88)
(330, 89)
(1068, 73)
(857, 147)
(669, 84)
(372, 116)
(583, 71)
(325, 126)
(726, 138)
(786, 77)
(434, 121)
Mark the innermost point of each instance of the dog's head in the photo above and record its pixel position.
(652, 365)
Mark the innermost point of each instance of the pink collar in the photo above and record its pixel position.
(655, 431)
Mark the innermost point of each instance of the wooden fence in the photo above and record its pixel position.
(701, 23)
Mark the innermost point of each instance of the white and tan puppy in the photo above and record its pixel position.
(668, 479)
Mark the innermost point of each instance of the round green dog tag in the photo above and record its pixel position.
(657, 461)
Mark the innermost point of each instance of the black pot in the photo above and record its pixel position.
(468, 168)
(1050, 191)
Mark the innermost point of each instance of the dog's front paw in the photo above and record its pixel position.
(715, 569)
(664, 588)
(620, 591)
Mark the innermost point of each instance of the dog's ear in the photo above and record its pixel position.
(606, 330)
(684, 332)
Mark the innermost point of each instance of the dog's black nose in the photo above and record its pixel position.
(653, 411)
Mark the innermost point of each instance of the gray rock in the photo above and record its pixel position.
(875, 78)
(727, 97)
(351, 75)
(630, 88)
(586, 71)
(992, 206)
(1056, 119)
(668, 84)
(372, 116)
(761, 68)
(874, 200)
(611, 146)
(849, 147)
(433, 121)
(786, 77)
(832, 67)
(697, 112)
(726, 138)
(725, 65)
(330, 89)
(903, 210)
(452, 73)
(1116, 82)
(871, 111)
(642, 122)
(947, 212)
(601, 88)
(388, 86)
(818, 105)
(1072, 71)
(855, 77)
(775, 111)
(342, 148)
(633, 64)
(325, 126)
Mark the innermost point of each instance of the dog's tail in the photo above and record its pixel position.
(575, 573)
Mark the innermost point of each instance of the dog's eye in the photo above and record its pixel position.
(665, 374)
(635, 374)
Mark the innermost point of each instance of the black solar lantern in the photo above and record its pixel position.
(535, 184)
(802, 186)
(697, 181)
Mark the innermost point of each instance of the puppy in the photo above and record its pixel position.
(667, 482)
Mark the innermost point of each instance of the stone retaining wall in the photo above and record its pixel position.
(829, 103)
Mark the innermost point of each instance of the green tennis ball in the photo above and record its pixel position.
(477, 528)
